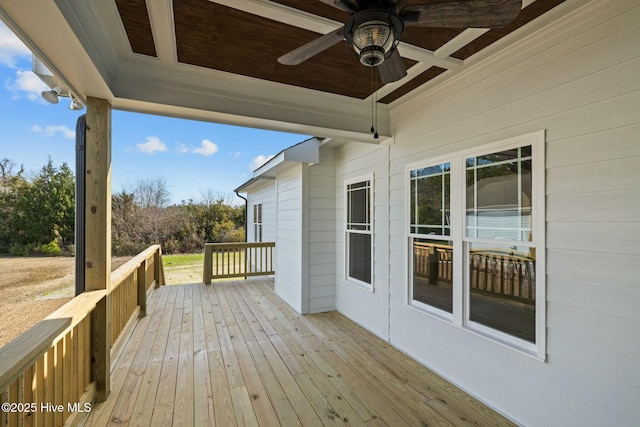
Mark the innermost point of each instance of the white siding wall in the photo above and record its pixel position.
(369, 309)
(289, 232)
(321, 229)
(579, 80)
(266, 195)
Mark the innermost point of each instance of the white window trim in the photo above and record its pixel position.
(359, 283)
(460, 317)
(253, 220)
(433, 311)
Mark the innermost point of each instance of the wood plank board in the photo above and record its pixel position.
(234, 353)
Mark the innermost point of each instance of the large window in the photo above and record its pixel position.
(358, 231)
(476, 240)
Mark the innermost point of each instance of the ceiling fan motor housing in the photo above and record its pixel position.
(372, 34)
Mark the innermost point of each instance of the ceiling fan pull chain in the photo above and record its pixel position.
(373, 129)
(375, 101)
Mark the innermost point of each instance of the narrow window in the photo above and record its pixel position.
(257, 222)
(359, 232)
(430, 231)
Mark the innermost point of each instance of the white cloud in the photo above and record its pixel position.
(11, 48)
(207, 148)
(259, 161)
(236, 154)
(52, 130)
(28, 83)
(152, 145)
(183, 149)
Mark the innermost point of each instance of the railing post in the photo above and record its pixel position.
(433, 265)
(208, 264)
(98, 236)
(156, 267)
(142, 288)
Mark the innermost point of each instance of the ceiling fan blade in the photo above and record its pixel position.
(463, 14)
(392, 68)
(314, 47)
(345, 5)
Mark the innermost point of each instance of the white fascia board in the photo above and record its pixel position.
(305, 152)
(197, 93)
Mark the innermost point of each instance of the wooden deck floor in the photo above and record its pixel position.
(233, 353)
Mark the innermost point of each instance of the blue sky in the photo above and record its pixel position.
(193, 157)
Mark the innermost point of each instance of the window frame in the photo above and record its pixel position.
(370, 231)
(458, 235)
(453, 231)
(257, 222)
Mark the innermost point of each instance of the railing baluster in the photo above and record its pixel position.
(225, 260)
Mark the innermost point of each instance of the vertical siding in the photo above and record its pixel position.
(321, 219)
(288, 282)
(369, 309)
(579, 81)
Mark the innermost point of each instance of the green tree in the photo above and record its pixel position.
(47, 207)
(11, 184)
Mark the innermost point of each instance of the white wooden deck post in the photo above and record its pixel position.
(98, 236)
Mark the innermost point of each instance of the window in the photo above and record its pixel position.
(476, 239)
(257, 222)
(358, 232)
(430, 230)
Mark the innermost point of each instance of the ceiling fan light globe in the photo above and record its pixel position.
(371, 56)
(373, 33)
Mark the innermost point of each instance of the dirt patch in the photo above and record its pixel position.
(33, 288)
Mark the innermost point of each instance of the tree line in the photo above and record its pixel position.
(37, 215)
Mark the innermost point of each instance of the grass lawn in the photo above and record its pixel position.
(181, 269)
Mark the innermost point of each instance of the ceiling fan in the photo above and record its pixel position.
(375, 28)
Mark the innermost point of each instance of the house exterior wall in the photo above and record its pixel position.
(289, 234)
(299, 215)
(321, 229)
(369, 309)
(263, 194)
(578, 81)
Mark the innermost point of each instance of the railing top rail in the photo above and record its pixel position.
(240, 245)
(20, 353)
(432, 245)
(128, 267)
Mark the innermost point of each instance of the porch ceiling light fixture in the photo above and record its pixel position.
(52, 95)
(76, 104)
(373, 34)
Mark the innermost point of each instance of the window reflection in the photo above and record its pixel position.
(433, 273)
(502, 282)
(498, 195)
(430, 200)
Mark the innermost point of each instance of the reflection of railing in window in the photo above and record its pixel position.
(505, 275)
(433, 261)
(508, 275)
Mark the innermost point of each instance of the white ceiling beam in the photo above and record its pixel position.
(162, 25)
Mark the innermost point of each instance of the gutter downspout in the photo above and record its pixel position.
(246, 213)
(246, 217)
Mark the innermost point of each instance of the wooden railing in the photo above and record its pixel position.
(46, 374)
(224, 260)
(506, 275)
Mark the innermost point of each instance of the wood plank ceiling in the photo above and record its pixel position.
(219, 37)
